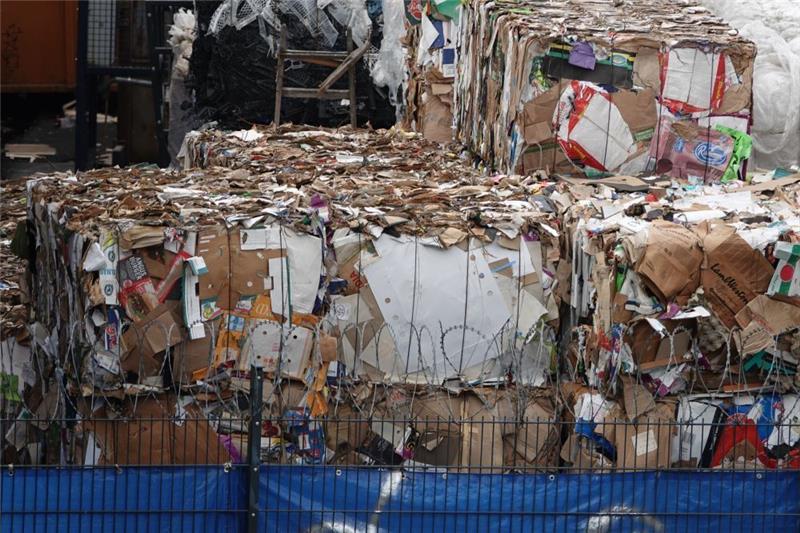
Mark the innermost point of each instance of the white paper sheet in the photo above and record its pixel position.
(694, 427)
(448, 283)
(14, 358)
(603, 133)
(263, 347)
(246, 135)
(520, 260)
(694, 312)
(428, 35)
(689, 76)
(268, 238)
(735, 201)
(305, 261)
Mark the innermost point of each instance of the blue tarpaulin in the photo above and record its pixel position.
(315, 498)
(318, 498)
(135, 499)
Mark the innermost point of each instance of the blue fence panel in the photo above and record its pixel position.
(135, 499)
(310, 498)
(324, 499)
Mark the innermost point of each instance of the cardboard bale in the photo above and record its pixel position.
(511, 60)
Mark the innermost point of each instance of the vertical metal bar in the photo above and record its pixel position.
(154, 21)
(91, 115)
(254, 446)
(81, 90)
(351, 81)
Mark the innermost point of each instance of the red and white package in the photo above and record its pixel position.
(694, 81)
(590, 128)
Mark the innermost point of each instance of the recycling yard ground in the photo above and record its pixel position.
(533, 266)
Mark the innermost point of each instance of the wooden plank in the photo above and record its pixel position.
(772, 184)
(276, 118)
(302, 92)
(28, 151)
(351, 76)
(350, 61)
(302, 55)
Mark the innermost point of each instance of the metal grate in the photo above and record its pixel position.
(101, 31)
(183, 472)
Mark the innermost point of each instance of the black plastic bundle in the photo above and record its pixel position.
(232, 75)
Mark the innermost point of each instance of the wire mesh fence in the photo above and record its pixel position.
(146, 470)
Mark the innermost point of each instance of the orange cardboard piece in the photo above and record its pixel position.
(327, 347)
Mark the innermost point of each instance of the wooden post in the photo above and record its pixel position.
(279, 65)
(351, 75)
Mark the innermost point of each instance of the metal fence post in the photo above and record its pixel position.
(82, 93)
(254, 446)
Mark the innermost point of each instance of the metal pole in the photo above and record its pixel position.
(81, 89)
(155, 39)
(254, 446)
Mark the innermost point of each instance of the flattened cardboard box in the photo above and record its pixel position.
(152, 437)
(648, 346)
(646, 443)
(536, 440)
(144, 340)
(670, 266)
(191, 356)
(733, 273)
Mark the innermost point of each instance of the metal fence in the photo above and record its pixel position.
(189, 472)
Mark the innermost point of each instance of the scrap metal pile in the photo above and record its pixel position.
(397, 299)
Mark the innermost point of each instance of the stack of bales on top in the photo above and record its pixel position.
(588, 86)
